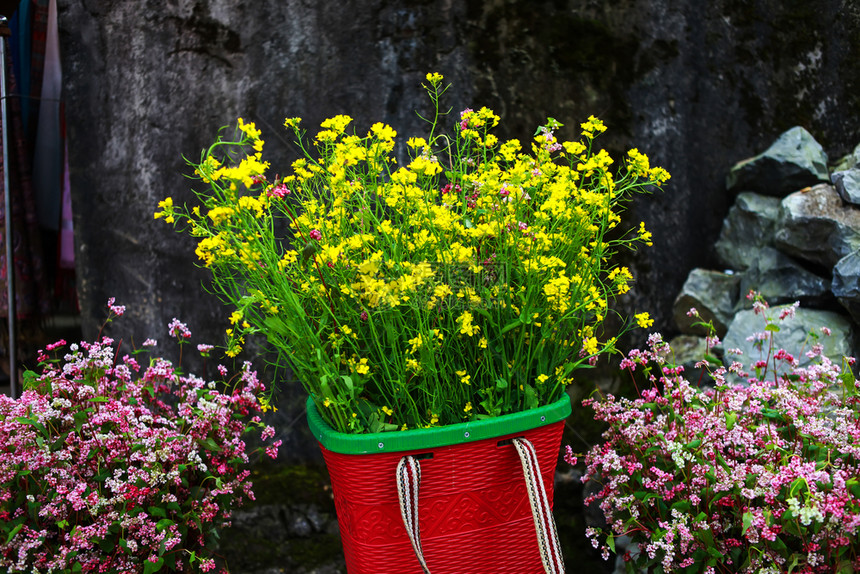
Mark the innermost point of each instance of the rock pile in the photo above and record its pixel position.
(792, 234)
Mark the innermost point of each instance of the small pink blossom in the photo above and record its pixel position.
(178, 330)
(280, 191)
(151, 440)
(117, 310)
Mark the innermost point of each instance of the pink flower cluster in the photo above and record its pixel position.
(107, 466)
(756, 477)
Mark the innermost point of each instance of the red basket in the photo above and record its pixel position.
(474, 510)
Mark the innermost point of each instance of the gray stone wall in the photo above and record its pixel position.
(696, 85)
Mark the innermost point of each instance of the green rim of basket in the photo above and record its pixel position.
(421, 439)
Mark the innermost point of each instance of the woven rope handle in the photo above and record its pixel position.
(409, 482)
(550, 550)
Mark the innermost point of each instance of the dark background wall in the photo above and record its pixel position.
(696, 85)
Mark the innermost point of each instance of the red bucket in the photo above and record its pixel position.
(473, 509)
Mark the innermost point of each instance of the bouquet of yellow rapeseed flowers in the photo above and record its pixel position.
(470, 282)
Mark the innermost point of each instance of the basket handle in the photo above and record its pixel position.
(409, 482)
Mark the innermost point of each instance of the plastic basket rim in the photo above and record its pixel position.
(423, 439)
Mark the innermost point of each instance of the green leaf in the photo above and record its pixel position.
(347, 381)
(151, 567)
(849, 382)
(28, 421)
(795, 559)
(610, 541)
(772, 327)
(531, 398)
(209, 444)
(854, 486)
(163, 523)
(31, 380)
(107, 544)
(731, 419)
(512, 325)
(156, 511)
(98, 400)
(682, 506)
(14, 532)
(748, 518)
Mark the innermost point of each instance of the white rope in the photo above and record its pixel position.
(550, 550)
(409, 481)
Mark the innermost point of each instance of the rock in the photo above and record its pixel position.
(749, 226)
(780, 279)
(847, 162)
(687, 350)
(817, 227)
(848, 185)
(846, 283)
(793, 335)
(794, 161)
(713, 294)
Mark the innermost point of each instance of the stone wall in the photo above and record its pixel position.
(697, 87)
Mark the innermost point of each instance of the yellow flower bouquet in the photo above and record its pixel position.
(470, 280)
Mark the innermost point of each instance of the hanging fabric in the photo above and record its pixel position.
(30, 280)
(67, 229)
(48, 158)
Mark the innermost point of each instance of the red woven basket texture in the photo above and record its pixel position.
(474, 511)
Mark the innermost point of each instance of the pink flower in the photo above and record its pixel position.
(315, 234)
(464, 121)
(115, 459)
(280, 191)
(177, 330)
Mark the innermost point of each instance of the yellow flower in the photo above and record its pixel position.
(542, 378)
(416, 143)
(413, 365)
(466, 326)
(509, 149)
(387, 411)
(166, 212)
(292, 123)
(644, 235)
(464, 378)
(644, 320)
(573, 148)
(415, 344)
(250, 204)
(659, 175)
(336, 124)
(250, 130)
(383, 131)
(592, 127)
(434, 78)
(468, 408)
(425, 166)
